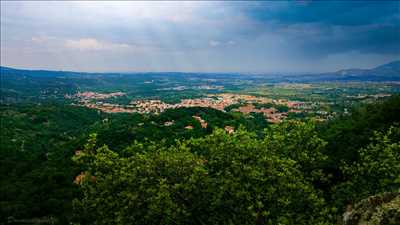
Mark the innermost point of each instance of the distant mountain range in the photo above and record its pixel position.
(386, 72)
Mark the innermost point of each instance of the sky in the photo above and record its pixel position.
(254, 37)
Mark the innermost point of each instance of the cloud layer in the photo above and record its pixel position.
(303, 36)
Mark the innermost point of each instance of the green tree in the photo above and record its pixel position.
(377, 170)
(298, 141)
(218, 179)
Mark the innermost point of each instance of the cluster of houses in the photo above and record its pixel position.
(219, 102)
(272, 114)
(89, 95)
(202, 122)
(215, 101)
(110, 108)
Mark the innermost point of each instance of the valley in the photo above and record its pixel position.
(48, 120)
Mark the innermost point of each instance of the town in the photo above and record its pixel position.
(242, 103)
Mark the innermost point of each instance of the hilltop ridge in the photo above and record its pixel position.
(386, 72)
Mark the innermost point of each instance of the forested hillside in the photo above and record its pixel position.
(65, 164)
(38, 141)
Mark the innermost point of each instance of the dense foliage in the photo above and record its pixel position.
(376, 171)
(218, 179)
(37, 142)
(230, 179)
(35, 170)
(137, 170)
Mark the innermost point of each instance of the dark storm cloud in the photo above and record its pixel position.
(364, 26)
(346, 13)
